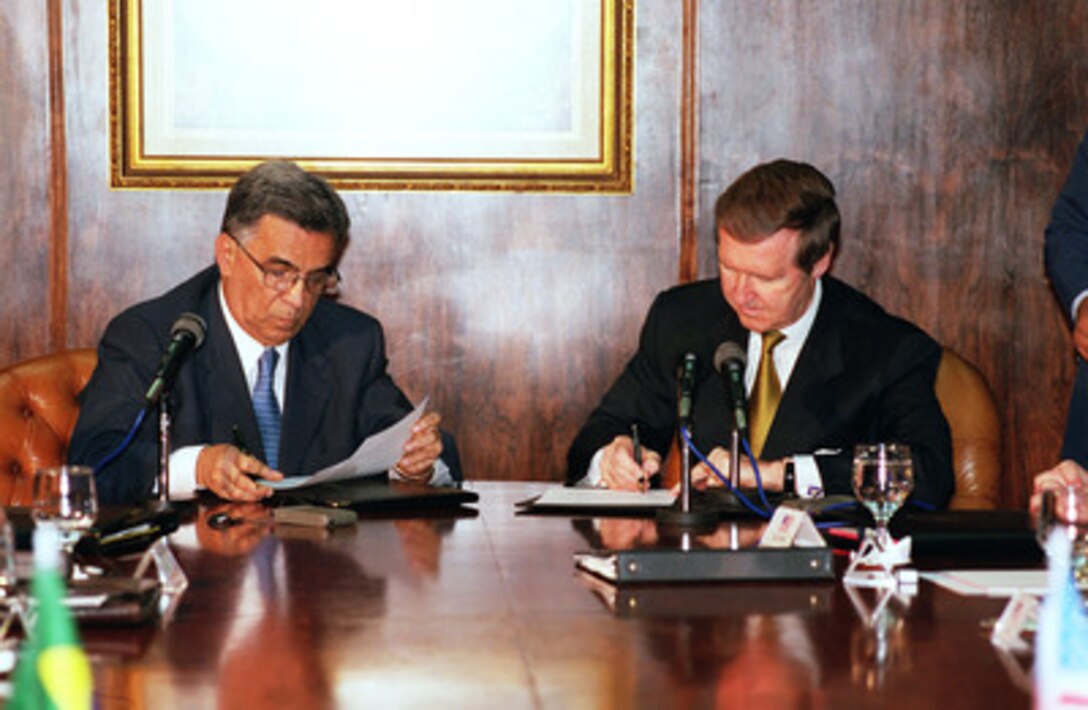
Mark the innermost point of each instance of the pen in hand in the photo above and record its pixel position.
(238, 441)
(638, 456)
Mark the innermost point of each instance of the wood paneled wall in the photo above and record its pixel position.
(947, 127)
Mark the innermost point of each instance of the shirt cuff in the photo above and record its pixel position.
(1076, 305)
(807, 474)
(440, 477)
(592, 479)
(183, 472)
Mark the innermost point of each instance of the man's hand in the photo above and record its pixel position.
(1067, 473)
(422, 449)
(771, 472)
(229, 473)
(618, 467)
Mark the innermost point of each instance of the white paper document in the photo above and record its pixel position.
(990, 583)
(375, 455)
(564, 497)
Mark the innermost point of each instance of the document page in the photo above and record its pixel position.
(375, 455)
(990, 583)
(564, 497)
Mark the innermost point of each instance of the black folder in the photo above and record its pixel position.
(379, 494)
(998, 533)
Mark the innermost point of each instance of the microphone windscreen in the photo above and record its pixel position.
(729, 351)
(192, 324)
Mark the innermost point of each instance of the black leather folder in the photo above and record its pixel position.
(117, 530)
(980, 533)
(381, 495)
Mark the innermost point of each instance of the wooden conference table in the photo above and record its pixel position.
(487, 610)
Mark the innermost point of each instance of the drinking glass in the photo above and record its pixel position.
(65, 496)
(883, 478)
(1065, 508)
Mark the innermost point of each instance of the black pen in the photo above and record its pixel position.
(638, 454)
(239, 442)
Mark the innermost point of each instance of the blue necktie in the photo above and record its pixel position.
(266, 408)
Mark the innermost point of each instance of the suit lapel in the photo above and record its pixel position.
(808, 401)
(223, 384)
(309, 385)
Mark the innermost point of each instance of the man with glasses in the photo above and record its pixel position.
(285, 382)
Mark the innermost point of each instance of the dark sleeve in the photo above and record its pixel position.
(1066, 244)
(906, 410)
(110, 404)
(383, 403)
(645, 393)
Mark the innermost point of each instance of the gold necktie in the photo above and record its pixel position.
(765, 394)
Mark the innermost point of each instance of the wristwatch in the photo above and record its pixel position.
(789, 479)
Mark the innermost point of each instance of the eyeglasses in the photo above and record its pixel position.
(281, 278)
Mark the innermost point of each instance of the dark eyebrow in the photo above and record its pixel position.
(281, 262)
(277, 261)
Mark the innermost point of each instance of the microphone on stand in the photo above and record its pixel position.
(686, 379)
(187, 334)
(730, 361)
(683, 516)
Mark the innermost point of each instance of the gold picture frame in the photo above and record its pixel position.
(542, 105)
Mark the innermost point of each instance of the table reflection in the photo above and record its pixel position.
(631, 533)
(880, 645)
(758, 660)
(445, 610)
(285, 616)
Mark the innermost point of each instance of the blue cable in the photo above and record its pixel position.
(768, 509)
(111, 456)
(755, 469)
(740, 496)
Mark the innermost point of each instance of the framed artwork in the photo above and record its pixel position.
(518, 95)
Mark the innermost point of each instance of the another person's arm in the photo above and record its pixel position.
(1066, 247)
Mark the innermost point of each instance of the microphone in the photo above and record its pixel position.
(730, 361)
(686, 377)
(186, 334)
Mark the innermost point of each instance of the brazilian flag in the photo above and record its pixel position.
(53, 671)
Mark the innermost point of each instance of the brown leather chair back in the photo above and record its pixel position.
(969, 406)
(38, 410)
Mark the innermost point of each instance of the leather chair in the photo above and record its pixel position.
(38, 410)
(969, 406)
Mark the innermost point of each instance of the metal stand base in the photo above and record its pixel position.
(687, 518)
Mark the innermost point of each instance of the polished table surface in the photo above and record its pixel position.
(486, 609)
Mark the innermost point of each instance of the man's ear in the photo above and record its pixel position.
(823, 264)
(225, 251)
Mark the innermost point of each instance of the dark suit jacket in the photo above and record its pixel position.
(863, 376)
(1067, 266)
(337, 391)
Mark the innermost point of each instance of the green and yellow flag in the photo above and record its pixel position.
(53, 671)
